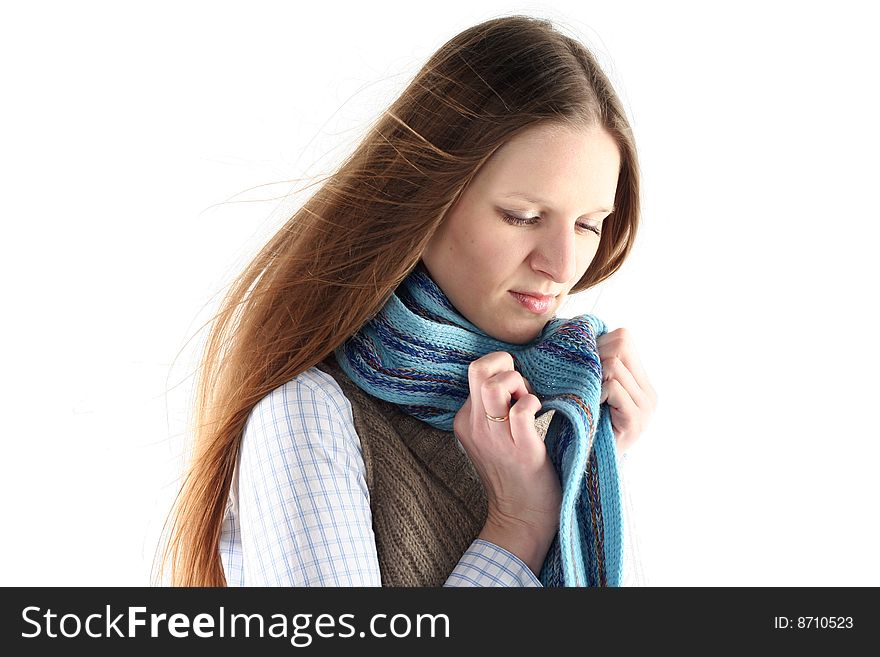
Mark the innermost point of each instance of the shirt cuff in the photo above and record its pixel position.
(487, 564)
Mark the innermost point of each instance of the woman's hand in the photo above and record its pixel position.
(522, 486)
(626, 387)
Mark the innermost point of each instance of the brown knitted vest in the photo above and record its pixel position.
(427, 500)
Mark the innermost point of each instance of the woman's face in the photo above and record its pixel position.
(566, 178)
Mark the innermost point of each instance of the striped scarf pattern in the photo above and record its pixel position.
(415, 353)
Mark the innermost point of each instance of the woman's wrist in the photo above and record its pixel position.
(530, 549)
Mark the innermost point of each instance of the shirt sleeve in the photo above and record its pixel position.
(304, 509)
(303, 504)
(487, 564)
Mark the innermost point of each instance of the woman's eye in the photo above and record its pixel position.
(528, 221)
(519, 221)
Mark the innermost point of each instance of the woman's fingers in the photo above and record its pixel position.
(615, 369)
(522, 422)
(499, 390)
(491, 393)
(495, 383)
(484, 368)
(620, 343)
(625, 386)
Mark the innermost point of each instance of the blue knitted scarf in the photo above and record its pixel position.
(415, 353)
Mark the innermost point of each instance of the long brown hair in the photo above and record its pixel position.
(333, 265)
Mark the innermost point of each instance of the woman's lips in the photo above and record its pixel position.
(538, 305)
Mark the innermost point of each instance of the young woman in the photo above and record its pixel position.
(388, 396)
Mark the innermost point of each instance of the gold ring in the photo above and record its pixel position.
(497, 419)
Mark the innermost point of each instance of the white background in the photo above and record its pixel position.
(146, 150)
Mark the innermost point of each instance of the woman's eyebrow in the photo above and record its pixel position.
(540, 201)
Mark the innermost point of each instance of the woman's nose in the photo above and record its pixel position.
(557, 254)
